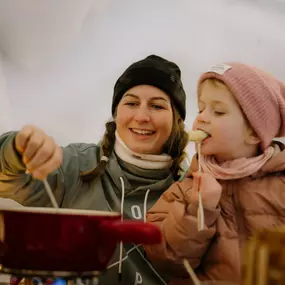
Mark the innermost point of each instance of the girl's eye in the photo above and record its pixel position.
(219, 113)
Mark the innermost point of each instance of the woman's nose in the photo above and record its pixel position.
(142, 115)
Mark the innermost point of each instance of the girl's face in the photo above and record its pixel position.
(144, 119)
(222, 118)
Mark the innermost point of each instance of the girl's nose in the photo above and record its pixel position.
(203, 117)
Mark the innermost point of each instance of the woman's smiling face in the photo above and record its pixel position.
(144, 119)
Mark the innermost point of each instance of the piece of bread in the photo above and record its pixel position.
(197, 135)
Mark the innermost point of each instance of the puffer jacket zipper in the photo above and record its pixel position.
(241, 230)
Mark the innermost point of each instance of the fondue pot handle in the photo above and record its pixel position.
(133, 231)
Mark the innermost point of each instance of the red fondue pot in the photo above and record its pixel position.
(65, 240)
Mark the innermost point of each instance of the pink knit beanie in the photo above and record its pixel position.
(261, 97)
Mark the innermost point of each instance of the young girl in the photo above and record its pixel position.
(137, 160)
(242, 181)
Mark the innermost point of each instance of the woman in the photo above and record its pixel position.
(137, 160)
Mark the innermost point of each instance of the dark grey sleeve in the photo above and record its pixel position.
(23, 188)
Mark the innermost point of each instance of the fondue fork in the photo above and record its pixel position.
(50, 194)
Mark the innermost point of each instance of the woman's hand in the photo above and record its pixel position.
(41, 155)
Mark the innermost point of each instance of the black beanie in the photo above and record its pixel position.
(155, 71)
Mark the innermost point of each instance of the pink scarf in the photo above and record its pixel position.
(237, 168)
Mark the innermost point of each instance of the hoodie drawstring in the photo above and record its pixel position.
(122, 218)
(145, 205)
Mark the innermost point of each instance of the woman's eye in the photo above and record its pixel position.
(158, 107)
(132, 104)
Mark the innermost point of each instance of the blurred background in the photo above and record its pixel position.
(59, 59)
